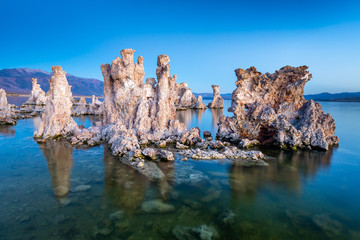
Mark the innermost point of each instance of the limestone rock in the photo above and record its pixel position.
(6, 113)
(136, 111)
(271, 108)
(184, 98)
(96, 106)
(199, 104)
(82, 107)
(37, 96)
(218, 101)
(56, 120)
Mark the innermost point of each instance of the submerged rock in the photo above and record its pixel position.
(202, 232)
(57, 120)
(271, 108)
(6, 113)
(157, 206)
(37, 96)
(218, 101)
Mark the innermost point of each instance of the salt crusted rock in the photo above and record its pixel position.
(56, 120)
(218, 101)
(184, 98)
(82, 107)
(6, 113)
(96, 107)
(37, 96)
(138, 111)
(271, 108)
(199, 104)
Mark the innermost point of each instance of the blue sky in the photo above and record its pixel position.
(206, 40)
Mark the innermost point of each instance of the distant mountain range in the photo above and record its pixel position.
(331, 97)
(19, 80)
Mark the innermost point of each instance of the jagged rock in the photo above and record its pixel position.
(191, 137)
(199, 104)
(202, 232)
(37, 96)
(56, 120)
(271, 108)
(216, 145)
(150, 153)
(165, 155)
(202, 154)
(207, 134)
(96, 107)
(157, 206)
(161, 144)
(184, 98)
(181, 146)
(138, 111)
(6, 113)
(82, 107)
(239, 157)
(246, 143)
(90, 136)
(203, 144)
(218, 101)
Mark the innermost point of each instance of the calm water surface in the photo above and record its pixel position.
(301, 195)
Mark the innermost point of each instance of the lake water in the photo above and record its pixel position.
(300, 195)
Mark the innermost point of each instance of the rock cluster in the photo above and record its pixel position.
(57, 120)
(184, 98)
(271, 108)
(218, 101)
(135, 111)
(37, 96)
(84, 108)
(6, 113)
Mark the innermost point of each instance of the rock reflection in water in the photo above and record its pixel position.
(7, 131)
(60, 160)
(216, 113)
(286, 172)
(124, 186)
(185, 116)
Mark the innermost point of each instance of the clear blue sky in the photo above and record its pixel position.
(206, 40)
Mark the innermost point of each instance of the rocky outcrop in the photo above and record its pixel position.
(96, 107)
(218, 101)
(199, 104)
(82, 107)
(37, 96)
(6, 113)
(271, 108)
(184, 98)
(56, 120)
(136, 111)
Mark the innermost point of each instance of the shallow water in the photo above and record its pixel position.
(301, 195)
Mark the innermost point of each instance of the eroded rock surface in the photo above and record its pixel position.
(6, 113)
(199, 103)
(37, 96)
(184, 98)
(56, 120)
(218, 101)
(271, 108)
(136, 111)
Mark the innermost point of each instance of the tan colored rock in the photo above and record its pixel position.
(218, 101)
(271, 108)
(6, 113)
(138, 111)
(82, 108)
(37, 96)
(56, 120)
(184, 98)
(199, 104)
(96, 107)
